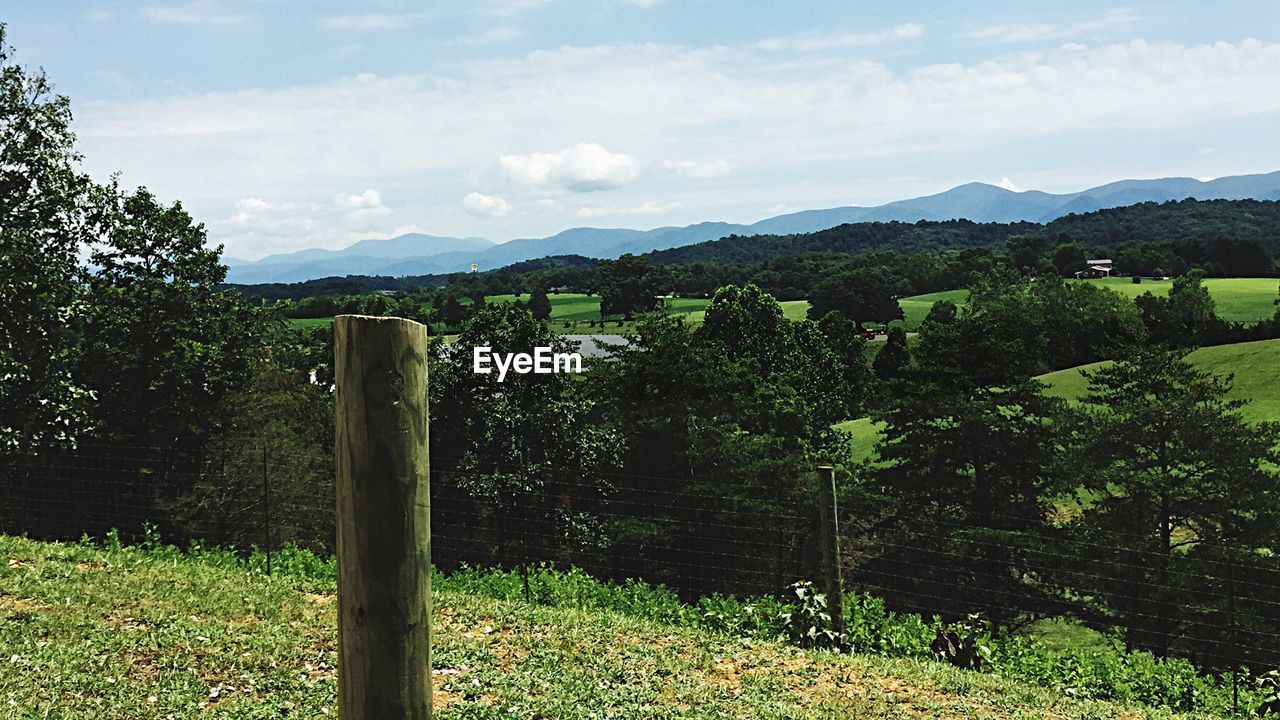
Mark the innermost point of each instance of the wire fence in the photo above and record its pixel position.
(1217, 605)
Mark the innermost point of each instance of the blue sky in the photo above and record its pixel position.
(285, 124)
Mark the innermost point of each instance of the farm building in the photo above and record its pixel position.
(1096, 269)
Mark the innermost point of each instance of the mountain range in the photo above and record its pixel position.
(417, 254)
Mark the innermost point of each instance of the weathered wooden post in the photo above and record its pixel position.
(829, 536)
(384, 514)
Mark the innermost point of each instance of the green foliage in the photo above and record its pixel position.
(1162, 447)
(162, 344)
(540, 305)
(48, 212)
(862, 295)
(894, 358)
(628, 285)
(519, 444)
(806, 620)
(1186, 318)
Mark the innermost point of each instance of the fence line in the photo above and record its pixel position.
(247, 493)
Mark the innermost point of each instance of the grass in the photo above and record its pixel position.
(1255, 365)
(863, 434)
(916, 307)
(1246, 300)
(304, 323)
(122, 632)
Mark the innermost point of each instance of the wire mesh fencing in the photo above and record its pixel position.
(1214, 603)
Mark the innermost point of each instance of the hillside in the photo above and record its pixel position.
(123, 632)
(1177, 222)
(1254, 365)
(980, 203)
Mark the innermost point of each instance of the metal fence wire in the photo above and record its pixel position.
(697, 541)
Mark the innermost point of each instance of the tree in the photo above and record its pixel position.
(47, 215)
(162, 343)
(516, 448)
(627, 286)
(862, 295)
(540, 305)
(452, 314)
(892, 360)
(1186, 318)
(1026, 252)
(1178, 476)
(1068, 258)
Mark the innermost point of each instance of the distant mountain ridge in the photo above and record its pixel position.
(417, 254)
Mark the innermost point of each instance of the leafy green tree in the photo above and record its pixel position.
(1068, 258)
(518, 447)
(627, 286)
(1178, 475)
(162, 343)
(1186, 318)
(47, 215)
(892, 360)
(1027, 252)
(862, 295)
(452, 313)
(540, 305)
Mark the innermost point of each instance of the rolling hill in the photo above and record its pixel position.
(1255, 367)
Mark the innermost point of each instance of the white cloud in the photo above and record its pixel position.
(1031, 32)
(247, 210)
(809, 42)
(585, 167)
(368, 201)
(642, 3)
(817, 128)
(694, 169)
(1008, 184)
(647, 208)
(371, 21)
(198, 12)
(482, 205)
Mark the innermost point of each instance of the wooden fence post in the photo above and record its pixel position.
(384, 515)
(829, 537)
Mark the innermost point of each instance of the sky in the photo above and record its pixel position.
(291, 124)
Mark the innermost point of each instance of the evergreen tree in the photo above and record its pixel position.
(892, 360)
(539, 305)
(1179, 477)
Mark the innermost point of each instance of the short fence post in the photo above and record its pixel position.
(384, 514)
(829, 537)
(266, 508)
(1231, 610)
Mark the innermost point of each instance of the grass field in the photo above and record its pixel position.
(310, 322)
(1255, 365)
(915, 308)
(1245, 300)
(155, 634)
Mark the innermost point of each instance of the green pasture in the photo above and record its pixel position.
(1255, 367)
(1246, 300)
